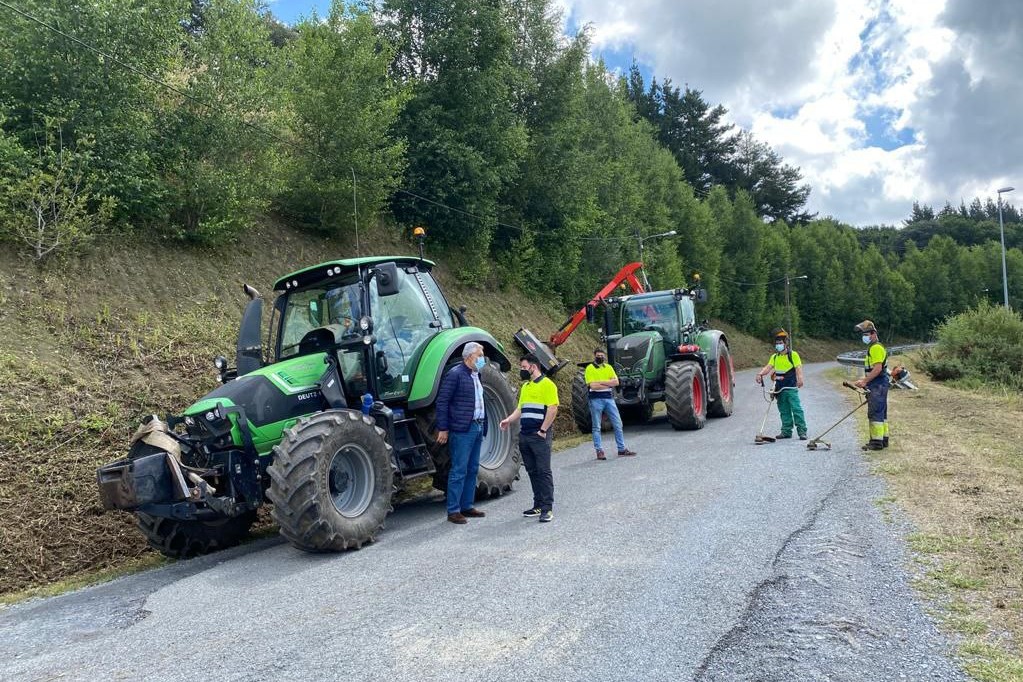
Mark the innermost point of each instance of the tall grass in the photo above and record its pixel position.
(980, 346)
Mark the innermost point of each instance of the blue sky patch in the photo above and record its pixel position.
(880, 133)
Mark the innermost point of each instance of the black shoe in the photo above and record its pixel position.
(802, 436)
(535, 511)
(782, 436)
(546, 517)
(873, 445)
(884, 442)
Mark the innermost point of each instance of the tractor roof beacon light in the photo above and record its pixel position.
(420, 234)
(1001, 230)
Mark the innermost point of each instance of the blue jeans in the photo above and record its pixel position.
(464, 450)
(599, 406)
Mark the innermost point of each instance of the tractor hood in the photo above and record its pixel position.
(273, 397)
(632, 351)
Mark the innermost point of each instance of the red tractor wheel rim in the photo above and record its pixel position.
(697, 396)
(724, 380)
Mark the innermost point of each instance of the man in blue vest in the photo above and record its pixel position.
(462, 424)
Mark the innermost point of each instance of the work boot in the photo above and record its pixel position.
(601, 455)
(783, 436)
(873, 445)
(626, 453)
(884, 442)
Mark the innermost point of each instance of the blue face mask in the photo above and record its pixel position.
(481, 362)
(779, 347)
(866, 338)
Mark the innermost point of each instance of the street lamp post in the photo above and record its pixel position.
(788, 306)
(1001, 229)
(672, 233)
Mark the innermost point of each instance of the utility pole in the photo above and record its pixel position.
(788, 307)
(1001, 231)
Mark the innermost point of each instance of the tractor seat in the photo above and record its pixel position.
(316, 341)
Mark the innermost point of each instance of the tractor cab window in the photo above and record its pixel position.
(403, 324)
(319, 307)
(661, 316)
(688, 311)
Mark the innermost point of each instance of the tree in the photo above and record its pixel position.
(340, 109)
(465, 140)
(773, 185)
(46, 202)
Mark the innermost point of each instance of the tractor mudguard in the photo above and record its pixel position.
(708, 341)
(436, 356)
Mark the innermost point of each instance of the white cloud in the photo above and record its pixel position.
(842, 71)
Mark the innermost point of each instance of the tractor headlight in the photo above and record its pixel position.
(220, 362)
(365, 323)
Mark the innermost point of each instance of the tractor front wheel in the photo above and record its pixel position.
(685, 396)
(331, 481)
(581, 404)
(186, 539)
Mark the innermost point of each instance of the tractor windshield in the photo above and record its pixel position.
(646, 314)
(402, 324)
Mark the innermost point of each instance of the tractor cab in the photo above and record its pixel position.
(380, 314)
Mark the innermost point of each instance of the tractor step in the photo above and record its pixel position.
(411, 453)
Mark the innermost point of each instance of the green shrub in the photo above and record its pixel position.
(984, 344)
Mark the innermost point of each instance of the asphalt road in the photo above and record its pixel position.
(704, 558)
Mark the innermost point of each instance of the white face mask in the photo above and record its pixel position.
(779, 347)
(866, 338)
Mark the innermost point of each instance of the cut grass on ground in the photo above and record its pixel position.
(956, 469)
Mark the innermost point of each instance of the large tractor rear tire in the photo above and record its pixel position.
(581, 404)
(722, 381)
(499, 454)
(685, 396)
(331, 481)
(186, 539)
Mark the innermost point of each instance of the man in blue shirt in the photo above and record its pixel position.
(461, 423)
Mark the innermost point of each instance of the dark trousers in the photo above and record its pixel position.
(536, 457)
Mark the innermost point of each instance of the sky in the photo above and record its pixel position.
(879, 102)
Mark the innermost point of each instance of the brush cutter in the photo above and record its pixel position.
(769, 396)
(817, 443)
(760, 438)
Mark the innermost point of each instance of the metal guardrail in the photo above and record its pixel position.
(855, 357)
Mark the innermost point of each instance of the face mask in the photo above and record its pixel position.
(779, 347)
(525, 374)
(866, 338)
(598, 361)
(481, 362)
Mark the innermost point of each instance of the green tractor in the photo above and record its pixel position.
(660, 352)
(327, 420)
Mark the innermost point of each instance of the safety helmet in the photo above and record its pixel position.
(865, 327)
(779, 333)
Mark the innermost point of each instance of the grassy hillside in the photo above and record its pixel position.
(91, 346)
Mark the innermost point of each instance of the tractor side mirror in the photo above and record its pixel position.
(388, 283)
(591, 313)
